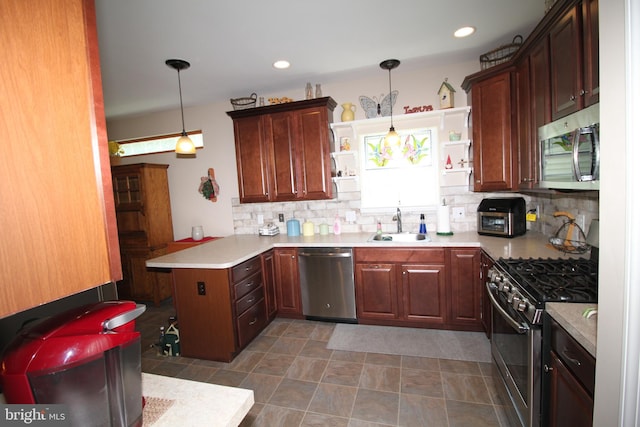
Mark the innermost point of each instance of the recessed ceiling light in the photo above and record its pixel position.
(464, 31)
(281, 64)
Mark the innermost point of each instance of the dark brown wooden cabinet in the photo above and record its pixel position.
(494, 133)
(288, 297)
(534, 110)
(574, 56)
(252, 159)
(591, 52)
(465, 288)
(220, 310)
(283, 151)
(143, 212)
(572, 381)
(269, 281)
(554, 73)
(419, 287)
(59, 232)
(526, 154)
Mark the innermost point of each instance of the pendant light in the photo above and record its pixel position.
(392, 137)
(184, 145)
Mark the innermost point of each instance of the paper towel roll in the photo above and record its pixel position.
(443, 227)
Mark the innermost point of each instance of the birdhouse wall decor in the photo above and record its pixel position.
(445, 93)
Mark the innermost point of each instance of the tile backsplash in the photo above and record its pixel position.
(584, 206)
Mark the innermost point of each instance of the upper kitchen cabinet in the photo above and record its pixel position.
(283, 151)
(494, 133)
(59, 229)
(574, 55)
(534, 110)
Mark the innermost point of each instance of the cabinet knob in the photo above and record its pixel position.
(547, 368)
(253, 322)
(250, 284)
(583, 92)
(572, 98)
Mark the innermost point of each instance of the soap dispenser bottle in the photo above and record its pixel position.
(337, 227)
(423, 226)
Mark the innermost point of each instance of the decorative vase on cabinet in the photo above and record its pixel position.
(348, 113)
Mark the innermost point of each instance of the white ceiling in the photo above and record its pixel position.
(231, 44)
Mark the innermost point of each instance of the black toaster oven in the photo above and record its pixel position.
(503, 217)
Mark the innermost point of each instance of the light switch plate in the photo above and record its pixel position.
(350, 216)
(260, 219)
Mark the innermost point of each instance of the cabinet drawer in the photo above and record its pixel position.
(251, 322)
(409, 256)
(250, 299)
(247, 285)
(245, 269)
(574, 356)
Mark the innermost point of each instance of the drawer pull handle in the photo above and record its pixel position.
(253, 322)
(248, 285)
(250, 300)
(247, 268)
(573, 360)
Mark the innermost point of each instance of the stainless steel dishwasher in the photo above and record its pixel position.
(326, 282)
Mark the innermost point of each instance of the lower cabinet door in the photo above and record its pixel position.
(423, 293)
(376, 291)
(288, 282)
(571, 404)
(251, 322)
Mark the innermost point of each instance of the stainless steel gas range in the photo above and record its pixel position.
(518, 290)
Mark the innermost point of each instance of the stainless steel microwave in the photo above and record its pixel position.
(570, 151)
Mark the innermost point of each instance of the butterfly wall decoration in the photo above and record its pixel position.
(378, 108)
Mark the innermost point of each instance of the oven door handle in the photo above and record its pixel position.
(520, 328)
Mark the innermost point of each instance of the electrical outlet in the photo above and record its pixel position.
(281, 217)
(457, 212)
(260, 219)
(202, 290)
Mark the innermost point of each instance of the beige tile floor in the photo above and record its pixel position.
(297, 381)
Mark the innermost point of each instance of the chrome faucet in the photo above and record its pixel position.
(398, 217)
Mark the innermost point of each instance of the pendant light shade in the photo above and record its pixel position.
(184, 144)
(392, 137)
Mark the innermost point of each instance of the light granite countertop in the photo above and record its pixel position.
(232, 250)
(196, 403)
(569, 316)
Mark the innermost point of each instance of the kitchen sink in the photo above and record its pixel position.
(400, 237)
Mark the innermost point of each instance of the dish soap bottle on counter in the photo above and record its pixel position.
(337, 227)
(423, 226)
(379, 228)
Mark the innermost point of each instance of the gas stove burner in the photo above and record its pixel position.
(562, 280)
